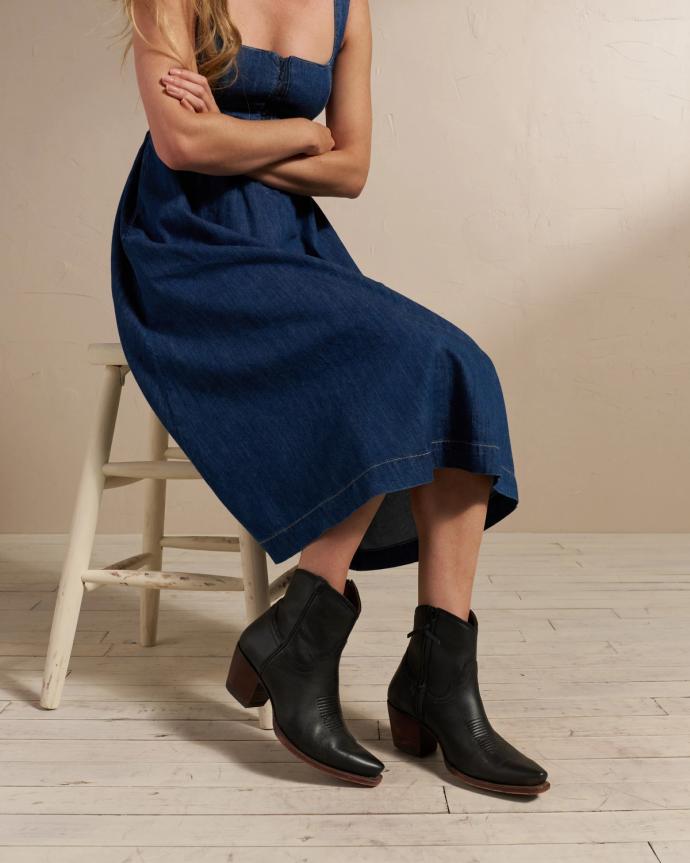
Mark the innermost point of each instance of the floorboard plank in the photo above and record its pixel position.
(583, 647)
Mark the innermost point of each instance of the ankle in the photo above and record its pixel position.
(335, 576)
(458, 608)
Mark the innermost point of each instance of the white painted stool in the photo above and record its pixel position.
(143, 571)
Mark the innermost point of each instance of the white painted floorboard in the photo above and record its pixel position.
(584, 652)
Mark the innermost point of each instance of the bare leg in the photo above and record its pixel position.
(444, 706)
(449, 513)
(330, 554)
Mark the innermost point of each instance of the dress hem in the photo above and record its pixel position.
(389, 476)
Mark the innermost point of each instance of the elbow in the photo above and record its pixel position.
(354, 190)
(356, 178)
(174, 151)
(355, 185)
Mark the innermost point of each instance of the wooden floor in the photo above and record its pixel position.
(584, 665)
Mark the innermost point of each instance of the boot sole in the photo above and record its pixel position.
(245, 684)
(415, 738)
(368, 781)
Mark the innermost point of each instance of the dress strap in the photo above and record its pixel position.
(341, 9)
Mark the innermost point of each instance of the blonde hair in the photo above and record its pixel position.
(212, 24)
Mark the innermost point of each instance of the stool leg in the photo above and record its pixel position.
(82, 532)
(154, 525)
(255, 578)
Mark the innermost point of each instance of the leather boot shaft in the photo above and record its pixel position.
(311, 612)
(434, 697)
(442, 647)
(291, 653)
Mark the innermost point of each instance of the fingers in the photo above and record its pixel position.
(192, 92)
(192, 86)
(180, 93)
(180, 82)
(188, 75)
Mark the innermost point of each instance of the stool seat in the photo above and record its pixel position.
(106, 354)
(143, 571)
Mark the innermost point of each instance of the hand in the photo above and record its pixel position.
(191, 89)
(322, 140)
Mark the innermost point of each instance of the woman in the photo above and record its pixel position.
(332, 415)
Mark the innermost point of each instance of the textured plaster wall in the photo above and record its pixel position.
(530, 181)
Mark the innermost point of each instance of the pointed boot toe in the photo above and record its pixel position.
(522, 770)
(365, 762)
(291, 654)
(434, 699)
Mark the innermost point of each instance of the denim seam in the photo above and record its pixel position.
(468, 442)
(359, 476)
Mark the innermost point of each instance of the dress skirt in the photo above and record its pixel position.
(298, 386)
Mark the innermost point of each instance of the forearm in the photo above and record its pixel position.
(220, 144)
(335, 173)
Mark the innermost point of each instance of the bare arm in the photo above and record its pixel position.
(343, 170)
(211, 143)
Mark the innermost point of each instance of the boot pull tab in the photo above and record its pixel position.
(426, 630)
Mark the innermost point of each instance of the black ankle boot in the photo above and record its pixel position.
(291, 654)
(434, 697)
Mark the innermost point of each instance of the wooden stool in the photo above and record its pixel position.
(143, 571)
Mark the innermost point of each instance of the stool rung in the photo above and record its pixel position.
(119, 481)
(174, 452)
(136, 561)
(278, 586)
(151, 469)
(207, 543)
(164, 580)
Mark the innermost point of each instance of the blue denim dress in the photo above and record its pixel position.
(297, 385)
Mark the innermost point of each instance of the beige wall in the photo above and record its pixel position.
(530, 181)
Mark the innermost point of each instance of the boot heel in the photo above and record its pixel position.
(409, 735)
(243, 682)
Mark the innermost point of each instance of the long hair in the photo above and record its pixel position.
(216, 38)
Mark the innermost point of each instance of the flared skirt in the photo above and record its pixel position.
(298, 386)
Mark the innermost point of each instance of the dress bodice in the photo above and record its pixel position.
(272, 85)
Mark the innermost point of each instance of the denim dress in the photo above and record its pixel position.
(297, 385)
